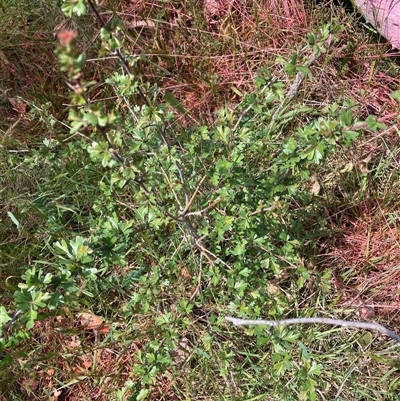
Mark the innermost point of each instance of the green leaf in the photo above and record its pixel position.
(73, 6)
(207, 341)
(315, 369)
(4, 317)
(80, 248)
(347, 117)
(223, 166)
(32, 316)
(303, 69)
(63, 248)
(67, 9)
(39, 298)
(174, 102)
(279, 368)
(374, 124)
(96, 149)
(303, 350)
(76, 126)
(91, 119)
(115, 24)
(395, 95)
(223, 133)
(240, 249)
(245, 272)
(14, 220)
(80, 61)
(80, 8)
(290, 146)
(290, 69)
(114, 43)
(351, 136)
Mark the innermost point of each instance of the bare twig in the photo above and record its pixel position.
(263, 210)
(188, 204)
(8, 325)
(294, 88)
(198, 286)
(202, 211)
(124, 63)
(317, 320)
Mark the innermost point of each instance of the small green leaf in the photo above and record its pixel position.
(32, 316)
(395, 95)
(223, 133)
(279, 368)
(76, 126)
(14, 220)
(80, 8)
(223, 166)
(207, 341)
(373, 123)
(303, 69)
(174, 102)
(290, 69)
(303, 350)
(311, 39)
(80, 61)
(63, 248)
(4, 317)
(315, 369)
(350, 136)
(347, 117)
(290, 146)
(245, 272)
(73, 6)
(91, 119)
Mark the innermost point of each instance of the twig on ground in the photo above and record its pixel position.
(317, 320)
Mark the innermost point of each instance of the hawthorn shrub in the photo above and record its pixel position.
(174, 226)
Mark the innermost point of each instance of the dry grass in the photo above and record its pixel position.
(365, 252)
(206, 55)
(64, 352)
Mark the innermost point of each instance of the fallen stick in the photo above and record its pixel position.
(316, 320)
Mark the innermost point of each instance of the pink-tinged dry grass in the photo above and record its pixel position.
(209, 51)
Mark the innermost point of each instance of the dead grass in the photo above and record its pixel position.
(372, 253)
(66, 352)
(209, 51)
(365, 252)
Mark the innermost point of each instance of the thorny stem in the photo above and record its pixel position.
(118, 53)
(182, 217)
(142, 95)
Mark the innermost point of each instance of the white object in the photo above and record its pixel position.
(384, 15)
